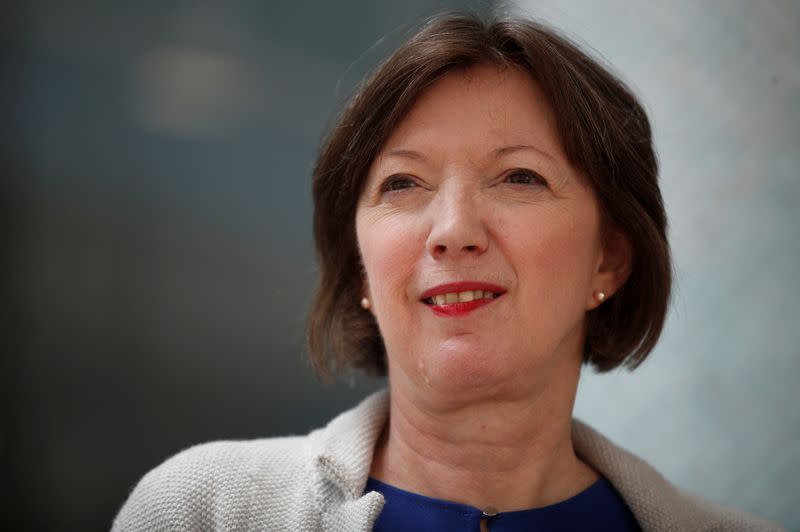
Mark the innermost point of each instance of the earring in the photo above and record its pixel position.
(600, 296)
(365, 304)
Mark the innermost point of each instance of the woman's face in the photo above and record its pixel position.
(473, 188)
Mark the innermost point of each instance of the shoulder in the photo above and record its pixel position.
(292, 483)
(216, 485)
(657, 503)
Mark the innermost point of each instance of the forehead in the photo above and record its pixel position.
(478, 109)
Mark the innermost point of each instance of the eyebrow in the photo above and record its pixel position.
(408, 154)
(506, 150)
(496, 154)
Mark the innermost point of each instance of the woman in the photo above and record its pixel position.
(488, 219)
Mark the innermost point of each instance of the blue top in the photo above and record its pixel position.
(598, 507)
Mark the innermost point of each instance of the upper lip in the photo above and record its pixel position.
(461, 286)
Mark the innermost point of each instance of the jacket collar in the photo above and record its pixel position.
(656, 503)
(342, 454)
(344, 448)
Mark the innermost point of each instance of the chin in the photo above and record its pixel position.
(467, 371)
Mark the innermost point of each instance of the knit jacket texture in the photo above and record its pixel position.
(316, 482)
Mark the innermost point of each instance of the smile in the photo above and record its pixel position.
(459, 299)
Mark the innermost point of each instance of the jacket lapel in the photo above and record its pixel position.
(342, 456)
(655, 502)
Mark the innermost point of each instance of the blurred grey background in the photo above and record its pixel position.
(156, 237)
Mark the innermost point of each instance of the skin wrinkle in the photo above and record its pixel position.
(474, 471)
(547, 166)
(481, 405)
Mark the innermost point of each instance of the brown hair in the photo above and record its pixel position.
(606, 136)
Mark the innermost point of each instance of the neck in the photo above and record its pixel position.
(510, 453)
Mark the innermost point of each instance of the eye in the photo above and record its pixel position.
(397, 182)
(525, 177)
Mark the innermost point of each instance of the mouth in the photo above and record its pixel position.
(458, 299)
(465, 296)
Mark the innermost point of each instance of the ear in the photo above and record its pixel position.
(613, 268)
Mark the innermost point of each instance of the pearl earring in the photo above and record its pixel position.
(365, 304)
(600, 296)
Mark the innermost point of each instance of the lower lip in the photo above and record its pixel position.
(459, 309)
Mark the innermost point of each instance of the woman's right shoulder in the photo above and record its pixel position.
(213, 485)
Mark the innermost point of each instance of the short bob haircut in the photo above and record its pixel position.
(606, 136)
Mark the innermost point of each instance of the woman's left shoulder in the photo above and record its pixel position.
(656, 503)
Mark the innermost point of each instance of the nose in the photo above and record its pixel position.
(457, 227)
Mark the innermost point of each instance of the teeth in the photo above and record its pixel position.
(461, 297)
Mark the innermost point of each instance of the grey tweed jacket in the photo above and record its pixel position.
(316, 482)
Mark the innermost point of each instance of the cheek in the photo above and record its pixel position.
(554, 253)
(389, 249)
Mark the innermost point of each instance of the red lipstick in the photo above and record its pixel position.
(460, 308)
